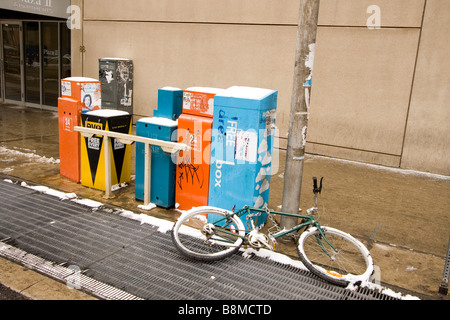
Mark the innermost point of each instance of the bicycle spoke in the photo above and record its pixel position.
(207, 234)
(344, 261)
(339, 256)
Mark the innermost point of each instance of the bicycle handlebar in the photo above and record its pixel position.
(315, 188)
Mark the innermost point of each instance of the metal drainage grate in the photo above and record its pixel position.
(64, 274)
(121, 258)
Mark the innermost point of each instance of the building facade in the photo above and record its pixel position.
(34, 51)
(381, 70)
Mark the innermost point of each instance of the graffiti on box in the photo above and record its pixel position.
(190, 174)
(189, 168)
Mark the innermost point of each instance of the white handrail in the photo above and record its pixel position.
(167, 146)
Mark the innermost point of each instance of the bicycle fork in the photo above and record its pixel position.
(212, 233)
(319, 238)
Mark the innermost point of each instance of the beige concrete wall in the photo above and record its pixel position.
(186, 55)
(361, 88)
(364, 106)
(427, 140)
(202, 11)
(381, 95)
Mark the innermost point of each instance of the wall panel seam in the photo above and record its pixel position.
(194, 22)
(365, 27)
(354, 149)
(412, 83)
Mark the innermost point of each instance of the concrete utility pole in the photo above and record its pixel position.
(298, 123)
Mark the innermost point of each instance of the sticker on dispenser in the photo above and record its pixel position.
(66, 88)
(246, 145)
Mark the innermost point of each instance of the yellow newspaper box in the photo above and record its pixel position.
(93, 150)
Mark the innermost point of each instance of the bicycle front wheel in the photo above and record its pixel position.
(208, 233)
(346, 261)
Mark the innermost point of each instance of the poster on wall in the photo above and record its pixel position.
(116, 76)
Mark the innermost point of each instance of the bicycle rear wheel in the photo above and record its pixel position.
(348, 262)
(208, 233)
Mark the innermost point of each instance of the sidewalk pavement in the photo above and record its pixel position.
(35, 286)
(402, 216)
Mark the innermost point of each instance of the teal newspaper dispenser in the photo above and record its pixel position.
(162, 126)
(242, 148)
(162, 170)
(170, 103)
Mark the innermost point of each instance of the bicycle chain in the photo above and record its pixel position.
(276, 225)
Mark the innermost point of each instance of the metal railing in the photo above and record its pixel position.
(166, 146)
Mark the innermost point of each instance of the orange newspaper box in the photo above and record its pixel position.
(86, 90)
(199, 101)
(69, 111)
(192, 170)
(78, 94)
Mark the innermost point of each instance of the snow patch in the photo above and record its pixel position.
(88, 203)
(80, 79)
(263, 147)
(150, 206)
(119, 186)
(264, 186)
(163, 225)
(159, 121)
(382, 247)
(246, 92)
(107, 113)
(52, 192)
(267, 159)
(261, 175)
(31, 156)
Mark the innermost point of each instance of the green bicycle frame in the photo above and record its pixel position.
(309, 220)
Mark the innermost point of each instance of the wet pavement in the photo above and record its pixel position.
(402, 216)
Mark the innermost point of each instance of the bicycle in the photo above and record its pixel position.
(209, 233)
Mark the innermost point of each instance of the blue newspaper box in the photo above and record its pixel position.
(170, 103)
(242, 148)
(162, 171)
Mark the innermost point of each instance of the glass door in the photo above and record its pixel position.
(34, 57)
(50, 63)
(32, 62)
(12, 67)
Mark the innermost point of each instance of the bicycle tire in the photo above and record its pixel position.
(351, 263)
(191, 242)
